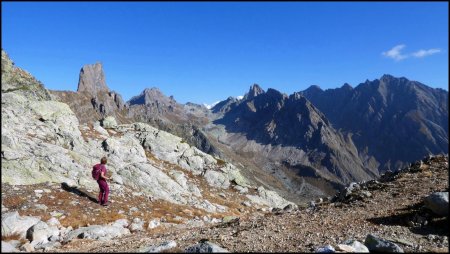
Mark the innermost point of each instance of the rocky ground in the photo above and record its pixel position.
(391, 208)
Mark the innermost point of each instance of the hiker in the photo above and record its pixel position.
(99, 173)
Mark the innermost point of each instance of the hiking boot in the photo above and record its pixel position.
(105, 204)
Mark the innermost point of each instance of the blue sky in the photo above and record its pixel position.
(203, 52)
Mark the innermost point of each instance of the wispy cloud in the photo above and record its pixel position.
(425, 52)
(396, 53)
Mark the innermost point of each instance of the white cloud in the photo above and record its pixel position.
(395, 53)
(425, 52)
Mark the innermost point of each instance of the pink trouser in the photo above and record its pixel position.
(104, 191)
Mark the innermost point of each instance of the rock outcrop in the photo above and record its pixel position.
(93, 100)
(92, 79)
(20, 81)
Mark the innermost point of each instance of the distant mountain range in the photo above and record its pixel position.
(309, 143)
(394, 119)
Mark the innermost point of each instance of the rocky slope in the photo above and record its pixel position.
(43, 142)
(396, 120)
(392, 214)
(20, 81)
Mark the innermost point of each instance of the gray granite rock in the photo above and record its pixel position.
(438, 203)
(97, 232)
(13, 223)
(164, 246)
(376, 244)
(205, 247)
(8, 247)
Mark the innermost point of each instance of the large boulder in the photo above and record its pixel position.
(137, 225)
(8, 247)
(216, 179)
(376, 244)
(41, 232)
(109, 122)
(357, 246)
(97, 232)
(14, 224)
(438, 203)
(269, 198)
(154, 182)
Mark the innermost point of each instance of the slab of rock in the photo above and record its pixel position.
(48, 246)
(376, 244)
(357, 246)
(229, 219)
(7, 247)
(97, 232)
(159, 247)
(100, 129)
(438, 203)
(28, 247)
(41, 232)
(13, 223)
(120, 223)
(217, 179)
(345, 248)
(269, 198)
(205, 247)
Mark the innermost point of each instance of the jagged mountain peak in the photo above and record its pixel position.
(275, 93)
(314, 88)
(149, 95)
(92, 79)
(254, 91)
(346, 86)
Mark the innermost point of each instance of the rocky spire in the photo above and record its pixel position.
(254, 91)
(92, 79)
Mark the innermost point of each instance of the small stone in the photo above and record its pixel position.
(247, 203)
(326, 249)
(153, 224)
(230, 219)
